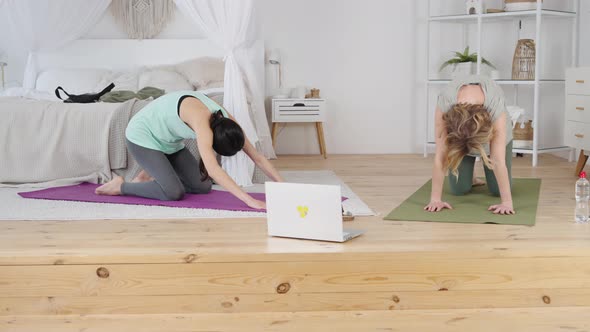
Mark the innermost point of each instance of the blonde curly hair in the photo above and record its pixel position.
(469, 128)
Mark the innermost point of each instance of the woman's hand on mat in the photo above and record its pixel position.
(502, 208)
(435, 206)
(256, 204)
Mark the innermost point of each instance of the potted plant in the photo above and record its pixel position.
(464, 63)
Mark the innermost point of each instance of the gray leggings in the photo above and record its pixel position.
(174, 174)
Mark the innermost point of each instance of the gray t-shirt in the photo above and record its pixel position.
(493, 100)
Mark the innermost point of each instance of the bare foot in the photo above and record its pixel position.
(478, 182)
(143, 176)
(111, 188)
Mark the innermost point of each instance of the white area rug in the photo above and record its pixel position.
(14, 207)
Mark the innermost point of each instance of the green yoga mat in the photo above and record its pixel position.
(473, 207)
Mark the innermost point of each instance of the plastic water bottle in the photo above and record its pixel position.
(582, 197)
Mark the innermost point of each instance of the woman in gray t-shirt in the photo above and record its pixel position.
(471, 121)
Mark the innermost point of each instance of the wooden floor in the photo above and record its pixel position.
(227, 275)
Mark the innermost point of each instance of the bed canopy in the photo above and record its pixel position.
(43, 25)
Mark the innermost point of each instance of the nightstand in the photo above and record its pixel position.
(300, 110)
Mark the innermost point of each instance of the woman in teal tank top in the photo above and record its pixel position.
(155, 139)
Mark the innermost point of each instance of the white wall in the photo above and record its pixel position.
(584, 59)
(360, 54)
(11, 53)
(179, 27)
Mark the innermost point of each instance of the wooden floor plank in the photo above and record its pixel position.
(414, 274)
(301, 302)
(481, 320)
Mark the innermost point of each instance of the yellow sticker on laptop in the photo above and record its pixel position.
(302, 211)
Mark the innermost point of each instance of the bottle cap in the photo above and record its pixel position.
(582, 174)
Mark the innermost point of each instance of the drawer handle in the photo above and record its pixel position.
(579, 135)
(580, 81)
(580, 108)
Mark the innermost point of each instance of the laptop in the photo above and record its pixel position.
(306, 211)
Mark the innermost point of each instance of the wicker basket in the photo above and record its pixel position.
(523, 62)
(522, 134)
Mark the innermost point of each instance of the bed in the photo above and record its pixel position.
(48, 142)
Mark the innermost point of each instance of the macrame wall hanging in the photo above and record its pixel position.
(142, 19)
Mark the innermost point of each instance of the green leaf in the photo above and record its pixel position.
(459, 55)
(444, 65)
(447, 63)
(464, 57)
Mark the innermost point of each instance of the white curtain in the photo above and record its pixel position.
(229, 24)
(48, 24)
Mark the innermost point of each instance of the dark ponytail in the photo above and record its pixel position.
(228, 139)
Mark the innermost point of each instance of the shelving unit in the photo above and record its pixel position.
(539, 14)
(504, 82)
(504, 15)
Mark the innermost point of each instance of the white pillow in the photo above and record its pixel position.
(201, 72)
(212, 91)
(213, 85)
(74, 81)
(123, 80)
(167, 80)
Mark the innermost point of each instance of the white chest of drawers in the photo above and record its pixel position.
(577, 112)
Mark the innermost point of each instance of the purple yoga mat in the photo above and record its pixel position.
(216, 200)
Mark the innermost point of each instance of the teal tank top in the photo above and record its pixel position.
(158, 125)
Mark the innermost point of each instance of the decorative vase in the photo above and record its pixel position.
(463, 69)
(523, 62)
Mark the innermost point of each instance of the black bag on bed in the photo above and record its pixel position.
(85, 98)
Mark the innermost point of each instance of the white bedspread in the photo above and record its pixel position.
(53, 143)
